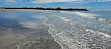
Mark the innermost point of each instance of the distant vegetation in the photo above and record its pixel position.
(58, 8)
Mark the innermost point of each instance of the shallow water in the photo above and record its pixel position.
(21, 30)
(50, 30)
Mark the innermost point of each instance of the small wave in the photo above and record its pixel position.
(88, 15)
(100, 33)
(65, 19)
(92, 16)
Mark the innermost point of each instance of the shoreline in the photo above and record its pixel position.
(23, 10)
(35, 10)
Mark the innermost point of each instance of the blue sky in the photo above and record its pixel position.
(104, 5)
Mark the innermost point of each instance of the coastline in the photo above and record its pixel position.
(1, 9)
(23, 10)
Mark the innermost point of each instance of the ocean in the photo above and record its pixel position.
(55, 30)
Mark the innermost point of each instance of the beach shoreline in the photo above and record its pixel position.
(23, 10)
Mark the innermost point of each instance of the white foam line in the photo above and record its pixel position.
(65, 19)
(18, 47)
(66, 40)
(100, 33)
(97, 32)
(50, 30)
(89, 15)
(92, 16)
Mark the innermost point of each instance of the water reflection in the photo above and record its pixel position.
(19, 30)
(30, 30)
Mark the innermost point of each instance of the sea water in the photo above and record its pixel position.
(71, 30)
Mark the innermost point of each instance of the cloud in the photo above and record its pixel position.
(51, 1)
(100, 0)
(97, 0)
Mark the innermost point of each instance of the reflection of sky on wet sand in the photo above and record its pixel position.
(19, 29)
(30, 24)
(20, 19)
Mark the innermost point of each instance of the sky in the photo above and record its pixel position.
(94, 5)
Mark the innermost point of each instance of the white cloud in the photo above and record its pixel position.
(51, 1)
(97, 0)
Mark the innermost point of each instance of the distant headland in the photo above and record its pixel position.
(58, 8)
